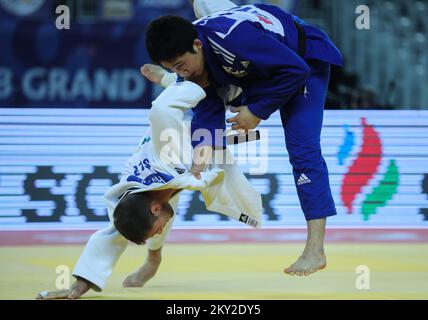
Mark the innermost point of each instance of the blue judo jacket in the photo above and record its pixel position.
(255, 47)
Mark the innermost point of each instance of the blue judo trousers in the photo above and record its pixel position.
(257, 48)
(302, 119)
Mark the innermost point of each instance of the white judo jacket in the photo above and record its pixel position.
(162, 161)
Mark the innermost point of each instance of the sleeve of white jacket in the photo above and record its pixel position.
(170, 133)
(203, 8)
(168, 78)
(100, 256)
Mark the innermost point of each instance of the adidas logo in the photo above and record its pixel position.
(245, 63)
(303, 179)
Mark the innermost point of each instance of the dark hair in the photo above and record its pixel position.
(169, 37)
(133, 218)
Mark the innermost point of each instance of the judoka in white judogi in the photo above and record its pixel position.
(219, 186)
(162, 161)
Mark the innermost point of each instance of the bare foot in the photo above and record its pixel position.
(313, 257)
(153, 72)
(307, 264)
(143, 274)
(158, 75)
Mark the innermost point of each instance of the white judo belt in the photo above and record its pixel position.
(242, 137)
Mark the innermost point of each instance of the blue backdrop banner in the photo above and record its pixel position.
(93, 64)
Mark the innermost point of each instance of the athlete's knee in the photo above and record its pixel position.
(305, 155)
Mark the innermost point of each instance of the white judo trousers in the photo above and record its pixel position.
(162, 161)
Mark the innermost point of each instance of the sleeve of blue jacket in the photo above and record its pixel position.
(278, 71)
(208, 122)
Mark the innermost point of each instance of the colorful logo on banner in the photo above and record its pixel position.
(364, 168)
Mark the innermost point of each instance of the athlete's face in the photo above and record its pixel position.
(163, 213)
(190, 65)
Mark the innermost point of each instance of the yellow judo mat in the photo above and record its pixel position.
(232, 271)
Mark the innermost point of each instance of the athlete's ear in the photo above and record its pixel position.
(197, 45)
(156, 208)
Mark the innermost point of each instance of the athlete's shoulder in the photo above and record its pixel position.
(246, 18)
(219, 22)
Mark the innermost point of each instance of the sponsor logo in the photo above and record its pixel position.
(234, 72)
(180, 170)
(245, 63)
(248, 220)
(303, 179)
